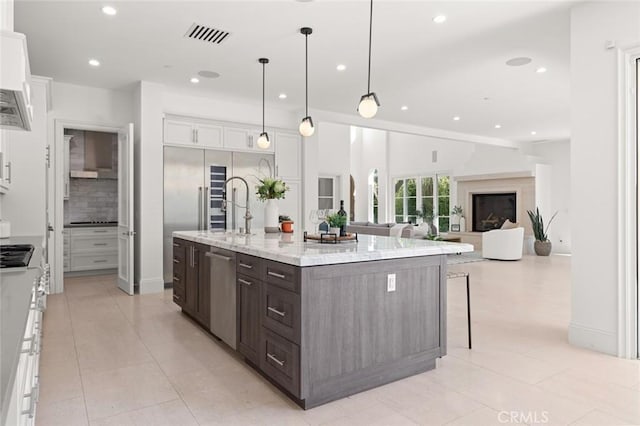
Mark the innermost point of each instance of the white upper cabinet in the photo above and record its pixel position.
(5, 163)
(245, 139)
(179, 132)
(288, 155)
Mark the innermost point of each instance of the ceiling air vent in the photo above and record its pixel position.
(208, 34)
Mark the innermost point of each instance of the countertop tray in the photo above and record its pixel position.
(328, 238)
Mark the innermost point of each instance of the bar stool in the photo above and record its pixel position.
(452, 275)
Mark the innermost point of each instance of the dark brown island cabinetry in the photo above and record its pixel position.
(325, 332)
(191, 280)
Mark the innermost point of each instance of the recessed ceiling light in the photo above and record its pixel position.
(94, 62)
(534, 133)
(456, 118)
(109, 10)
(282, 96)
(208, 74)
(519, 61)
(341, 67)
(541, 70)
(404, 107)
(498, 126)
(439, 19)
(194, 80)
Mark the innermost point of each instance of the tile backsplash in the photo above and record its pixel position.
(92, 199)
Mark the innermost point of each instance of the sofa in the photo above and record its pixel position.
(404, 230)
(503, 244)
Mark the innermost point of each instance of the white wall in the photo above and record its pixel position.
(334, 156)
(594, 122)
(558, 156)
(91, 105)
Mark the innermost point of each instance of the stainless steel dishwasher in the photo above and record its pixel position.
(223, 295)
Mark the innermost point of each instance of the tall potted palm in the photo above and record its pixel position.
(542, 245)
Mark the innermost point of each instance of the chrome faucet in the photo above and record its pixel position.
(247, 215)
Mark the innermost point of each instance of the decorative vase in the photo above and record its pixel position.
(287, 226)
(463, 224)
(542, 248)
(271, 216)
(334, 231)
(455, 219)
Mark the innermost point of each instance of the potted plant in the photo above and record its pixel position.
(427, 217)
(270, 190)
(457, 217)
(336, 221)
(542, 245)
(286, 224)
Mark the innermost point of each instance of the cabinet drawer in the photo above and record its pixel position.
(97, 231)
(179, 252)
(249, 265)
(87, 262)
(178, 294)
(280, 360)
(81, 244)
(282, 275)
(281, 312)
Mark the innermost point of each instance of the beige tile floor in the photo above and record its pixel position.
(112, 359)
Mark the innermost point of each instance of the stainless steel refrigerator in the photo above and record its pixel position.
(193, 185)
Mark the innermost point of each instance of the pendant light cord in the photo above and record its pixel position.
(370, 32)
(263, 67)
(306, 75)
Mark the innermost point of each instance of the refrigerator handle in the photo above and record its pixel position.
(199, 208)
(205, 210)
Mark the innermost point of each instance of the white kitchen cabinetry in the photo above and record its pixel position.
(92, 248)
(179, 132)
(245, 139)
(65, 178)
(288, 155)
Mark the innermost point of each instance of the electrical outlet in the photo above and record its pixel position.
(391, 282)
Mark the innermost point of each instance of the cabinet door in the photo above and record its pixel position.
(237, 139)
(248, 317)
(203, 306)
(288, 150)
(209, 136)
(191, 280)
(179, 132)
(5, 163)
(179, 271)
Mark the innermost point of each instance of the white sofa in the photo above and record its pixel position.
(503, 244)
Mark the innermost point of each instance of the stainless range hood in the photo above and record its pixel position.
(97, 153)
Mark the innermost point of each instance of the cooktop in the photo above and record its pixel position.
(15, 255)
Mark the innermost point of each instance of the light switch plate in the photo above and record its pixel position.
(391, 282)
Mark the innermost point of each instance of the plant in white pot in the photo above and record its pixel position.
(542, 245)
(270, 190)
(336, 221)
(457, 217)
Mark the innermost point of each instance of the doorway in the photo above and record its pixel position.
(92, 197)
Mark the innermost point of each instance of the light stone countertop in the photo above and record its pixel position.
(291, 249)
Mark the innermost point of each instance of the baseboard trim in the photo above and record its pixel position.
(593, 338)
(151, 285)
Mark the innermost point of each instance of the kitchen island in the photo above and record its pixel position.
(321, 321)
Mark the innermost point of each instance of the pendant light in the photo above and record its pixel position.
(369, 103)
(306, 126)
(263, 139)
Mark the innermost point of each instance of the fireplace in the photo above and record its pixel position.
(490, 211)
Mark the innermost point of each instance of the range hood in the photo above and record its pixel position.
(96, 151)
(16, 111)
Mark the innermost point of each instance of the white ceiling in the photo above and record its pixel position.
(437, 70)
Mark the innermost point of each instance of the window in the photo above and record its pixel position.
(325, 193)
(373, 200)
(431, 195)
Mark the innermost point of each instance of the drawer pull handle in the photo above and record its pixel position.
(99, 244)
(274, 359)
(176, 261)
(176, 279)
(244, 265)
(101, 231)
(176, 245)
(275, 311)
(277, 275)
(100, 261)
(244, 281)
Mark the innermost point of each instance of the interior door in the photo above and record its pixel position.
(126, 231)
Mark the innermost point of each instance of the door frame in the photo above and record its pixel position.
(628, 208)
(57, 188)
